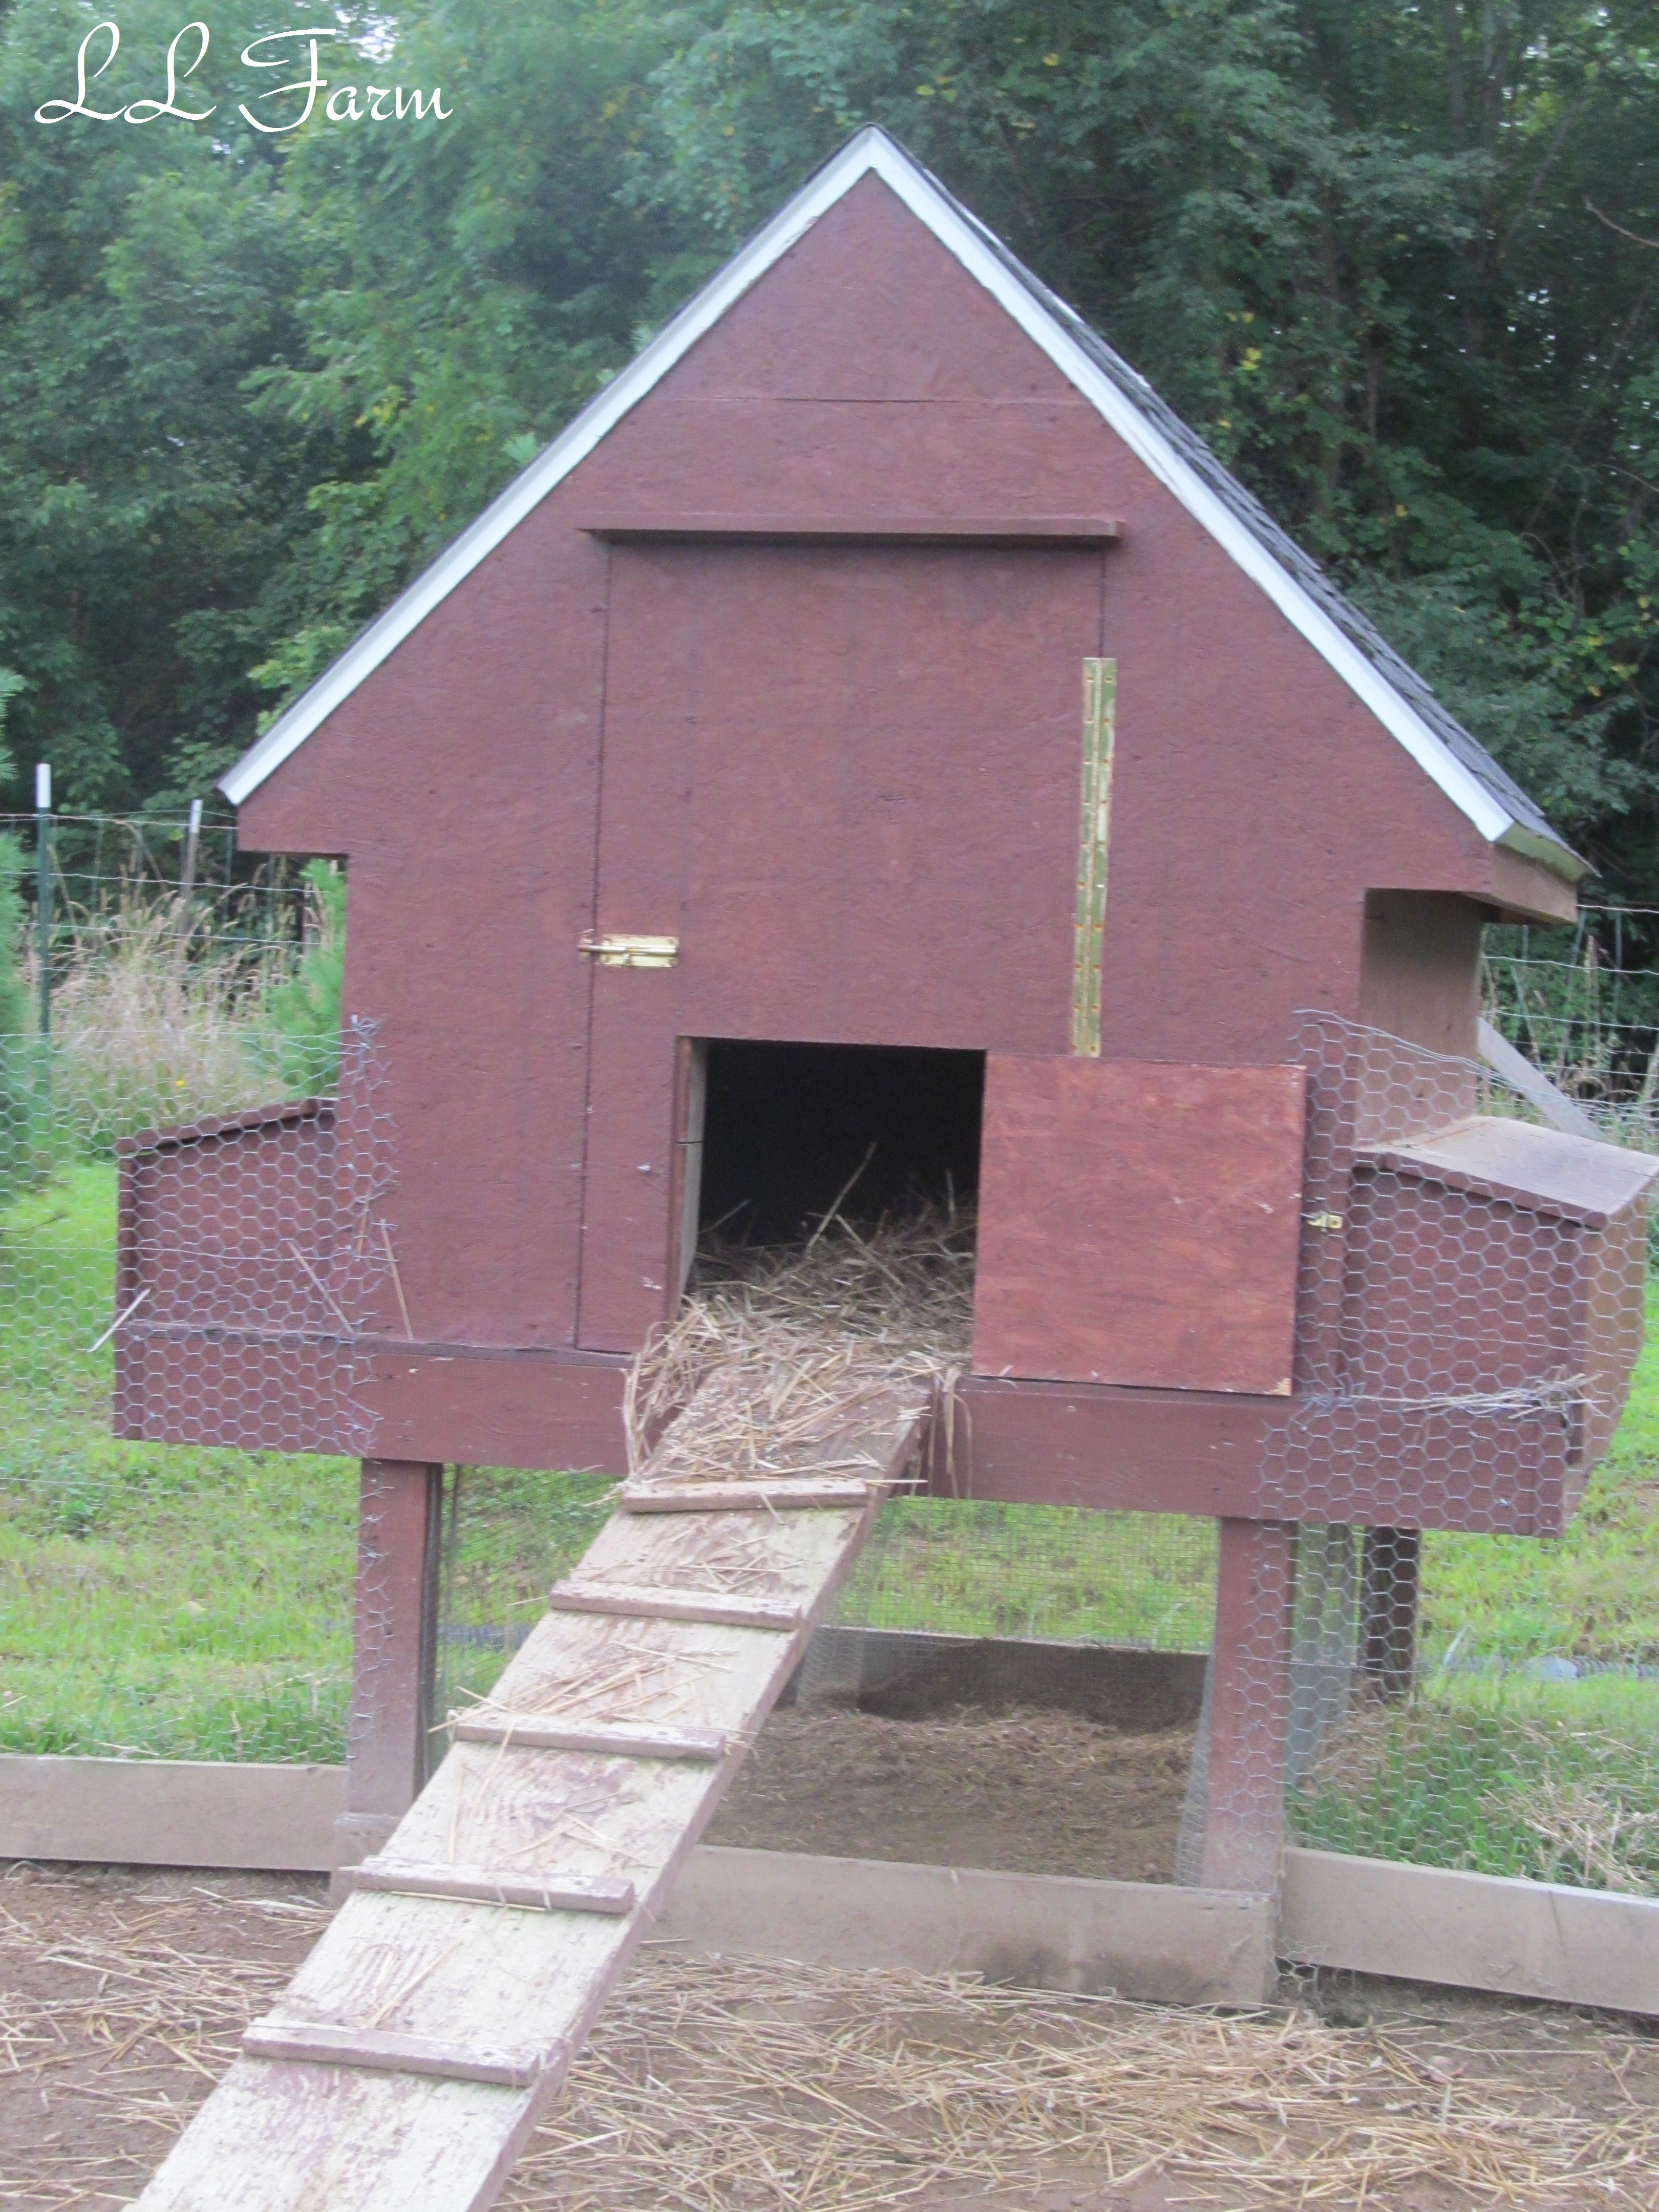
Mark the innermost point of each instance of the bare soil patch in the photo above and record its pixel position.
(1031, 1792)
(720, 2086)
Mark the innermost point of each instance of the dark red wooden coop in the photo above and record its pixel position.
(878, 717)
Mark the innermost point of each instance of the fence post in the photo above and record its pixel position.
(187, 879)
(43, 890)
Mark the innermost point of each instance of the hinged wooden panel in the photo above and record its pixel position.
(1139, 1222)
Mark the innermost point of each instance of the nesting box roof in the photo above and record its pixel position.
(1393, 691)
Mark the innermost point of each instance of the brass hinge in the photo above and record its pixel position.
(623, 951)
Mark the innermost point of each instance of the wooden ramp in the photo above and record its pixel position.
(411, 2055)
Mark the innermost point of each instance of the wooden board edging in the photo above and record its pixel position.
(1137, 1939)
(1368, 1915)
(1478, 1931)
(170, 1812)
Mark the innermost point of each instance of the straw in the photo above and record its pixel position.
(718, 2086)
(783, 1360)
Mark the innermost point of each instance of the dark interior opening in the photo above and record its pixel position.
(788, 1126)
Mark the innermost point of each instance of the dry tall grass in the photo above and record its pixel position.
(150, 1029)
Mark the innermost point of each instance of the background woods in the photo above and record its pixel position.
(1396, 262)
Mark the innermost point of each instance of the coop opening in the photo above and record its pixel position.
(785, 1139)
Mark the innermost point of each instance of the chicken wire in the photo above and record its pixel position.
(189, 1274)
(1473, 1694)
(1420, 1710)
(1469, 1308)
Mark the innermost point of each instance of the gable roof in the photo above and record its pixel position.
(1176, 457)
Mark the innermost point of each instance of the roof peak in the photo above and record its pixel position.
(1398, 697)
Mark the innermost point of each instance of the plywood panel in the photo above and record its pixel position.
(1138, 1224)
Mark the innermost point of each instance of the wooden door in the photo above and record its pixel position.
(1140, 1223)
(845, 779)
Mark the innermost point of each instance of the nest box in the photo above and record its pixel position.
(878, 720)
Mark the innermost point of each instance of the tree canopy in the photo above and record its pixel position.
(1399, 262)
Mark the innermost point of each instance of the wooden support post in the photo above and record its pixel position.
(1389, 1576)
(1249, 1706)
(394, 1649)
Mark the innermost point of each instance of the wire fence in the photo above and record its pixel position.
(162, 1597)
(106, 876)
(1577, 1002)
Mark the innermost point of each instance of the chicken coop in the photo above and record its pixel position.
(877, 740)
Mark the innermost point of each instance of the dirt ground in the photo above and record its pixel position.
(731, 2085)
(1031, 1792)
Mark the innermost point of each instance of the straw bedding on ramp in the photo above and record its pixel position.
(780, 1357)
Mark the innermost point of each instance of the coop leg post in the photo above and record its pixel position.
(1249, 1705)
(395, 1642)
(1388, 1616)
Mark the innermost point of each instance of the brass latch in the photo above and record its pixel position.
(621, 952)
(1327, 1221)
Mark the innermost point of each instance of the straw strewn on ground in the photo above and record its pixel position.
(717, 2085)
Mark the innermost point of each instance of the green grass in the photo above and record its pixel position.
(979, 1569)
(1489, 1767)
(196, 1604)
(1559, 1782)
(189, 1604)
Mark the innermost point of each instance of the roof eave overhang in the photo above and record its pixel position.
(873, 152)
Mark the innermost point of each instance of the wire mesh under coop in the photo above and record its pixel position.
(1025, 1686)
(188, 1594)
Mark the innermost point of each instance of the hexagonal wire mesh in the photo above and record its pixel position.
(1433, 1674)
(188, 1271)
(1462, 1695)
(1468, 1311)
(1477, 1695)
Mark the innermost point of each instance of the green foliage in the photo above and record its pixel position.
(10, 685)
(15, 1008)
(23, 1107)
(304, 1012)
(1389, 261)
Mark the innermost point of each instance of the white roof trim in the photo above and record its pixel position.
(872, 150)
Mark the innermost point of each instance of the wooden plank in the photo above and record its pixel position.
(1083, 1445)
(873, 526)
(472, 1406)
(1190, 1178)
(315, 2043)
(768, 1557)
(1540, 1170)
(394, 1642)
(645, 1603)
(1249, 1706)
(276, 2137)
(790, 1494)
(579, 1814)
(407, 1983)
(1481, 1932)
(635, 1740)
(1530, 1080)
(541, 1893)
